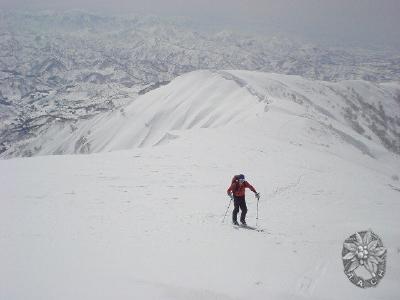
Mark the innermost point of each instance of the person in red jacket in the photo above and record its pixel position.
(237, 190)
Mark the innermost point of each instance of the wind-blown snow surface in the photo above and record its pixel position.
(146, 223)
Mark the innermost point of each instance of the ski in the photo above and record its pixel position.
(248, 227)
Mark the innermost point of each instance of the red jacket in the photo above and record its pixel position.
(239, 189)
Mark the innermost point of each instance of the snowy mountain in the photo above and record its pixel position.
(364, 114)
(74, 65)
(146, 223)
(168, 115)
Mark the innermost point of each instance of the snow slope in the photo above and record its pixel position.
(145, 223)
(365, 114)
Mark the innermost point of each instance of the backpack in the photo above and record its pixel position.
(235, 180)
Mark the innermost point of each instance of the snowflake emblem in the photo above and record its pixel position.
(364, 249)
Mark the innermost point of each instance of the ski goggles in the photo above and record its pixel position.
(241, 180)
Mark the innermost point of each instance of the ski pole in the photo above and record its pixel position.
(230, 201)
(258, 199)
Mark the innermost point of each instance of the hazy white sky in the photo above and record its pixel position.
(357, 21)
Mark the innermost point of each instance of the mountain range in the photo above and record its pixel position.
(71, 66)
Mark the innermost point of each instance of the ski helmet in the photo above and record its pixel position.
(240, 177)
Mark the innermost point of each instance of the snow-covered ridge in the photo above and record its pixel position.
(362, 113)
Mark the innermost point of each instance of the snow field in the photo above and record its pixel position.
(146, 223)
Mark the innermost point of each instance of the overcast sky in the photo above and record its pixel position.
(372, 22)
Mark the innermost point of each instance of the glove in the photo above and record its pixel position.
(229, 195)
(257, 195)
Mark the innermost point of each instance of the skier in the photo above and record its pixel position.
(237, 189)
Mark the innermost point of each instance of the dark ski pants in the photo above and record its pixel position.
(239, 202)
